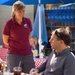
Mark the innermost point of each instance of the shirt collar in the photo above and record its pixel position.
(62, 52)
(16, 22)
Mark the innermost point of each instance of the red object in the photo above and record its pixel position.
(39, 61)
(19, 36)
(3, 53)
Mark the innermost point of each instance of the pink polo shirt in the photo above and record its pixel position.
(18, 36)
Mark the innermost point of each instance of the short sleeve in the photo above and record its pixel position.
(6, 28)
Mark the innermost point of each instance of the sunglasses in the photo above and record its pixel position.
(58, 34)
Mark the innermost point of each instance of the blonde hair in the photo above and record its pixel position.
(18, 5)
(36, 41)
(65, 30)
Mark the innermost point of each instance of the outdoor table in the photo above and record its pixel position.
(3, 53)
(38, 61)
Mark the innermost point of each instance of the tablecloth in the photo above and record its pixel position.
(3, 53)
(38, 61)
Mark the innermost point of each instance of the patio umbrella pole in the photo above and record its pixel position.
(40, 41)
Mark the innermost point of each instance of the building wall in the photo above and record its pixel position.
(5, 14)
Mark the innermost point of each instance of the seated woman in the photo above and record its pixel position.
(34, 46)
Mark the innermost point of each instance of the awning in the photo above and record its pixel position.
(64, 13)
